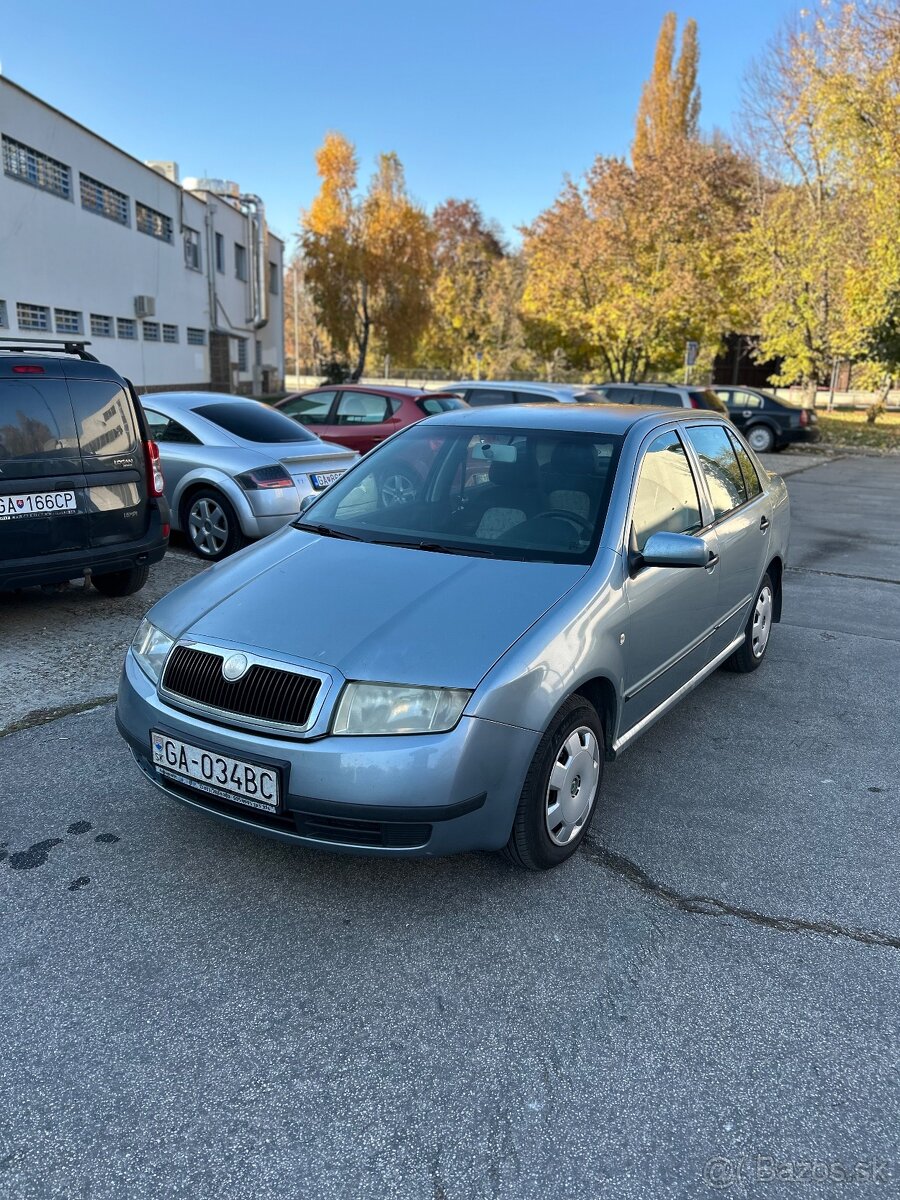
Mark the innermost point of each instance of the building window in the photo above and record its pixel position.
(154, 223)
(192, 249)
(41, 171)
(196, 337)
(67, 320)
(101, 326)
(4, 319)
(240, 260)
(220, 253)
(241, 353)
(273, 279)
(127, 328)
(33, 316)
(104, 200)
(170, 333)
(258, 352)
(151, 331)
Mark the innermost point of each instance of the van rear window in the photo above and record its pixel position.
(37, 429)
(104, 416)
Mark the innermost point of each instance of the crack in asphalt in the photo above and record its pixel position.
(42, 716)
(841, 575)
(707, 906)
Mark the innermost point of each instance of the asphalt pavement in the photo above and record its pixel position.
(703, 1002)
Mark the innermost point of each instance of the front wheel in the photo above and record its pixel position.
(560, 793)
(761, 438)
(752, 650)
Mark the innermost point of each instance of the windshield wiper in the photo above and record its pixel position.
(440, 548)
(327, 531)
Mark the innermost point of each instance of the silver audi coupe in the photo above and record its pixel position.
(450, 673)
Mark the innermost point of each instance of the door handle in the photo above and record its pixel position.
(764, 523)
(712, 562)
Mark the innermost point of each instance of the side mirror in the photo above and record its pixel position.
(306, 501)
(674, 550)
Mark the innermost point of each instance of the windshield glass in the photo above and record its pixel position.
(254, 422)
(536, 495)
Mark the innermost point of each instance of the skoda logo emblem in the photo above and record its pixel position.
(234, 666)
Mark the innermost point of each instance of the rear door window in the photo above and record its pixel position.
(362, 408)
(720, 467)
(659, 397)
(482, 397)
(534, 398)
(751, 478)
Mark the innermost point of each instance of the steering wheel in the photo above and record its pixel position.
(564, 514)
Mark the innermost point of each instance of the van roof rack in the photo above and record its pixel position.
(46, 346)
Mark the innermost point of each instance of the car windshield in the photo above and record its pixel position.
(253, 422)
(534, 495)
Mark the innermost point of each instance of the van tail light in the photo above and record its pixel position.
(155, 481)
(804, 417)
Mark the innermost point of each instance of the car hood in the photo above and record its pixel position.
(381, 613)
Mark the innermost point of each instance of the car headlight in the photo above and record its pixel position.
(150, 647)
(389, 708)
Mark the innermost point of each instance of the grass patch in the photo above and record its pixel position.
(850, 429)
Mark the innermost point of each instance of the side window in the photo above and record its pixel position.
(480, 397)
(741, 400)
(362, 408)
(312, 409)
(751, 478)
(664, 399)
(617, 395)
(720, 466)
(665, 500)
(164, 429)
(104, 417)
(533, 398)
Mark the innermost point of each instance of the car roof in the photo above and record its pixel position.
(386, 390)
(519, 385)
(614, 419)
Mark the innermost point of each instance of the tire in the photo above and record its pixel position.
(756, 635)
(400, 486)
(211, 525)
(541, 838)
(121, 583)
(761, 438)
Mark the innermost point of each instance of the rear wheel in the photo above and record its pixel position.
(761, 438)
(211, 525)
(756, 635)
(561, 788)
(121, 583)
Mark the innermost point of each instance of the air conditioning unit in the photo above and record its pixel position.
(144, 306)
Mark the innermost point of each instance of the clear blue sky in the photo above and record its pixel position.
(490, 100)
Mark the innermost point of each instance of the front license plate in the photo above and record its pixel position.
(35, 504)
(231, 778)
(326, 478)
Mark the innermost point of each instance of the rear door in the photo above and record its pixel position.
(362, 420)
(112, 455)
(43, 500)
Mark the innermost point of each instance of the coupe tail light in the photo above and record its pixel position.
(155, 480)
(264, 477)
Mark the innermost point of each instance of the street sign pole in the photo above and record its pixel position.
(690, 357)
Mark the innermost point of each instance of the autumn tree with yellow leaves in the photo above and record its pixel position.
(368, 259)
(638, 258)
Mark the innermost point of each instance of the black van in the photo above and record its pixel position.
(80, 480)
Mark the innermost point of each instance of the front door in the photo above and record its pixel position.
(672, 611)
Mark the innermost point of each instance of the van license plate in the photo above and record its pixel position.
(217, 774)
(34, 504)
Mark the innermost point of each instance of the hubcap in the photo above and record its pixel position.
(208, 526)
(762, 622)
(397, 489)
(572, 789)
(760, 439)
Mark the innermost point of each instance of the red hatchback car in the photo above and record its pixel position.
(359, 417)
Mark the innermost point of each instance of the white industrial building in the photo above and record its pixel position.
(174, 286)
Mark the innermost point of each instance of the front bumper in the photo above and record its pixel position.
(408, 796)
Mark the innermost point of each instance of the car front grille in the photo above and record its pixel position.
(264, 695)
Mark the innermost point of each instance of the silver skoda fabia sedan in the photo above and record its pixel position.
(450, 673)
